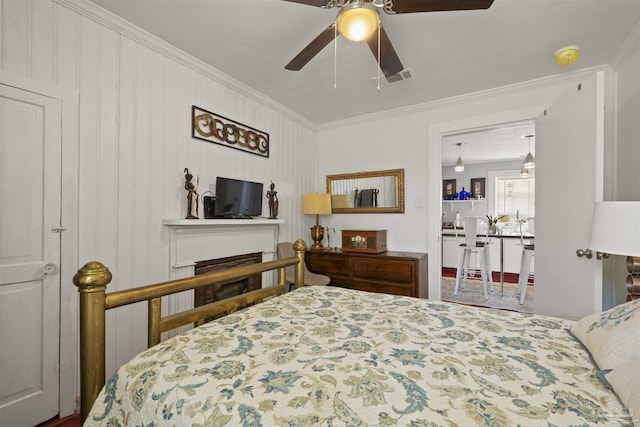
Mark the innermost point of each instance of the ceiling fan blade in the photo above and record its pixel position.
(312, 49)
(389, 62)
(411, 6)
(317, 3)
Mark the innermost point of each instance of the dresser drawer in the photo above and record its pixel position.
(328, 265)
(397, 271)
(343, 282)
(383, 287)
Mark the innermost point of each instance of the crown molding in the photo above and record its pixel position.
(125, 28)
(471, 97)
(109, 20)
(630, 45)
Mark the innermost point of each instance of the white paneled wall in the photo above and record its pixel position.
(135, 140)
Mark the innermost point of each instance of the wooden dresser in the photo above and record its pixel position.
(398, 273)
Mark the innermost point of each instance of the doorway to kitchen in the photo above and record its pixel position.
(483, 176)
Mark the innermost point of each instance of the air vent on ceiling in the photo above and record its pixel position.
(403, 75)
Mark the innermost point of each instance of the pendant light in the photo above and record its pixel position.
(459, 165)
(524, 173)
(529, 161)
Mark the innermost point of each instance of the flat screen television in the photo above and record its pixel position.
(237, 199)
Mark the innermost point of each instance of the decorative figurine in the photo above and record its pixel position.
(192, 196)
(273, 201)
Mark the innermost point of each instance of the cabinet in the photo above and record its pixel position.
(513, 256)
(450, 251)
(398, 273)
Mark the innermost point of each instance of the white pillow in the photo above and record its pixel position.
(625, 381)
(612, 336)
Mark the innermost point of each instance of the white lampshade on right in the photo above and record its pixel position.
(616, 228)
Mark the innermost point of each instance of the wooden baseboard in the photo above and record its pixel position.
(70, 421)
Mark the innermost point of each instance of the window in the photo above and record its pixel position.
(512, 194)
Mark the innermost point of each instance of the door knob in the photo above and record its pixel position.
(584, 253)
(49, 268)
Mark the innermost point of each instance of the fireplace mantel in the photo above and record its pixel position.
(219, 222)
(193, 240)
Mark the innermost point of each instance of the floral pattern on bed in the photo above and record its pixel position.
(325, 356)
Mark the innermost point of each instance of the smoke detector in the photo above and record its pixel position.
(567, 55)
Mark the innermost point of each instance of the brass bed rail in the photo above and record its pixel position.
(92, 280)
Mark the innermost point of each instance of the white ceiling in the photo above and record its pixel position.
(449, 53)
(491, 144)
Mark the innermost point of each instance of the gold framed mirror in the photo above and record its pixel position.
(367, 192)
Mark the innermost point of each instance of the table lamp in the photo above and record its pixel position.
(317, 204)
(616, 228)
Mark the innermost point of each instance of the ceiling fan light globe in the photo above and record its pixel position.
(357, 22)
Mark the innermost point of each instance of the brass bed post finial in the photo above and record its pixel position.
(300, 247)
(92, 280)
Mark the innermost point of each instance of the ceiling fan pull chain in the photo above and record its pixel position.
(335, 57)
(378, 54)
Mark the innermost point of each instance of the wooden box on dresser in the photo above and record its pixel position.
(398, 273)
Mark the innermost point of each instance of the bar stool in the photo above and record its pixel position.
(473, 245)
(528, 252)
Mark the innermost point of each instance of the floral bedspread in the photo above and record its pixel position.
(326, 356)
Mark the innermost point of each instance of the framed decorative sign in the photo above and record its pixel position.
(477, 188)
(448, 189)
(211, 127)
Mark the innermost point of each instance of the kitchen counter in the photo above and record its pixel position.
(512, 235)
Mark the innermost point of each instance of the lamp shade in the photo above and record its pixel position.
(316, 204)
(340, 201)
(616, 228)
(529, 162)
(459, 167)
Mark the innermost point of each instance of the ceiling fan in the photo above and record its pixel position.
(359, 19)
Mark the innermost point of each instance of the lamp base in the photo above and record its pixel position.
(317, 234)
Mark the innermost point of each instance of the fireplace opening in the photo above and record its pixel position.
(219, 291)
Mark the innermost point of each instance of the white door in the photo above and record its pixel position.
(30, 203)
(569, 179)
